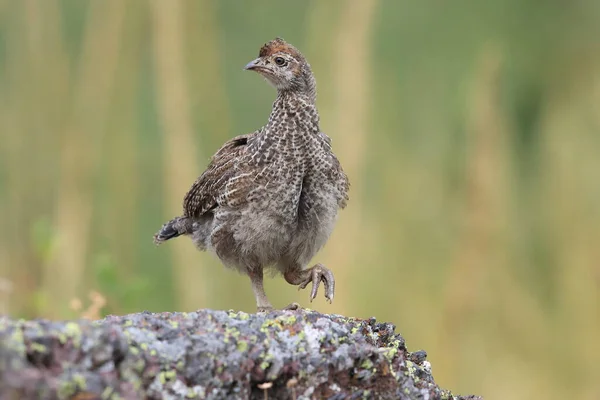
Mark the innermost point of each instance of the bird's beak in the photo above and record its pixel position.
(253, 64)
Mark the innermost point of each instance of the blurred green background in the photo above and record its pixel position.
(470, 131)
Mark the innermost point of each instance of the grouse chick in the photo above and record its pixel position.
(270, 198)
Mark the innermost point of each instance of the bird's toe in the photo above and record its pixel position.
(292, 307)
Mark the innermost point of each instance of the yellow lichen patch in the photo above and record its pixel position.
(242, 346)
(38, 347)
(73, 332)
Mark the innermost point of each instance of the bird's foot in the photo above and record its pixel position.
(290, 307)
(315, 275)
(264, 309)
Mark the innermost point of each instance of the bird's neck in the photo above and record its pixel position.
(295, 105)
(293, 115)
(293, 121)
(293, 99)
(302, 86)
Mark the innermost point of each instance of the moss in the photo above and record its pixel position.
(128, 323)
(390, 353)
(264, 365)
(446, 396)
(167, 376)
(231, 332)
(411, 368)
(66, 390)
(137, 385)
(269, 324)
(170, 374)
(174, 324)
(162, 378)
(366, 364)
(239, 315)
(144, 346)
(243, 316)
(73, 331)
(62, 338)
(279, 323)
(287, 319)
(17, 341)
(139, 365)
(242, 346)
(79, 381)
(106, 394)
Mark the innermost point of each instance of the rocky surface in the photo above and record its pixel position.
(212, 355)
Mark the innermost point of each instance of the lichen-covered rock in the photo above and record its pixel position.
(211, 355)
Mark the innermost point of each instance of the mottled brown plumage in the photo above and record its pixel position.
(270, 198)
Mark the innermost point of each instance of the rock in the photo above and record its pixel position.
(212, 355)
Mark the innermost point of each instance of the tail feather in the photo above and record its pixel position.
(176, 227)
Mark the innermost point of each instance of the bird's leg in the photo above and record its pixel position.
(314, 275)
(256, 277)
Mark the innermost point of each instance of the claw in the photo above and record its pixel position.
(316, 281)
(319, 273)
(304, 284)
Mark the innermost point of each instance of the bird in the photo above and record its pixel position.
(268, 200)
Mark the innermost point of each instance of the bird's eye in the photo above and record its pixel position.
(280, 61)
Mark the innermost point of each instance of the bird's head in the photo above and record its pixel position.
(282, 65)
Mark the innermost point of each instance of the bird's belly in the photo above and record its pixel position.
(282, 226)
(316, 219)
(251, 237)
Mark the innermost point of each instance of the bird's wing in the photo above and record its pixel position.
(343, 184)
(212, 187)
(337, 173)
